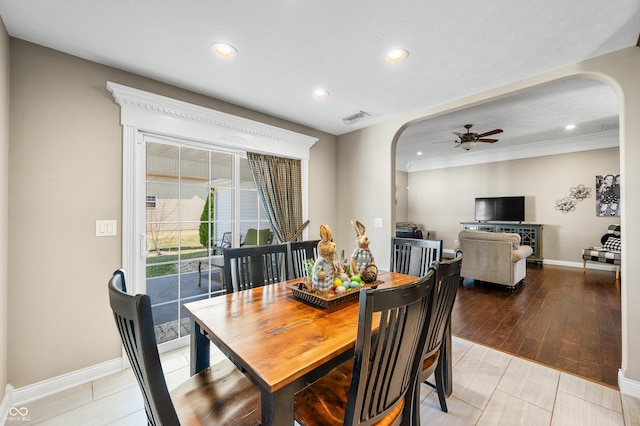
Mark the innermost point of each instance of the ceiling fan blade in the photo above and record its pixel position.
(492, 132)
(448, 141)
(457, 133)
(487, 140)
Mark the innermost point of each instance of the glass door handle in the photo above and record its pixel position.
(144, 246)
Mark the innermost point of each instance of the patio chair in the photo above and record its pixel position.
(248, 267)
(257, 237)
(413, 256)
(218, 395)
(379, 386)
(224, 242)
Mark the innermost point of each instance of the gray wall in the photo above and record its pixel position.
(4, 199)
(66, 155)
(441, 199)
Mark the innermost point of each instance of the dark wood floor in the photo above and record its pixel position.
(559, 316)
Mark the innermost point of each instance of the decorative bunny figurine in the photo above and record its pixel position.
(324, 270)
(362, 256)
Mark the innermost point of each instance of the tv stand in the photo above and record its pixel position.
(530, 234)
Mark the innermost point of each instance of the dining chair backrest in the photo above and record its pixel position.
(134, 320)
(255, 266)
(414, 256)
(299, 252)
(387, 363)
(448, 281)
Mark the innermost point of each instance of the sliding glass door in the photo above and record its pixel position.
(197, 200)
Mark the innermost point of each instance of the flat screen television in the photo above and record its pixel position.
(500, 209)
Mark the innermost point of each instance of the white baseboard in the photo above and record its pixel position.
(590, 265)
(66, 381)
(6, 404)
(628, 386)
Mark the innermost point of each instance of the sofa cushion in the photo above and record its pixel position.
(613, 244)
(612, 231)
(514, 239)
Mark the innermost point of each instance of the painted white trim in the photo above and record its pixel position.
(628, 386)
(151, 113)
(65, 381)
(6, 403)
(143, 113)
(552, 147)
(590, 265)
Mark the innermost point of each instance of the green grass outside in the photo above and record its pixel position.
(168, 259)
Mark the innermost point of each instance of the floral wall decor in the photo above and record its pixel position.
(566, 205)
(580, 192)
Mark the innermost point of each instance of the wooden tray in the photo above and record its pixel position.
(330, 299)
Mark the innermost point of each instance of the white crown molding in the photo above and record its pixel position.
(551, 147)
(159, 114)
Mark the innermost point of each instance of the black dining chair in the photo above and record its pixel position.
(299, 252)
(413, 256)
(254, 266)
(380, 383)
(447, 283)
(218, 395)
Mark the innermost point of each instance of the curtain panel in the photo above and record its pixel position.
(279, 183)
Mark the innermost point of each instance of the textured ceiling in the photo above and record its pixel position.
(537, 117)
(287, 48)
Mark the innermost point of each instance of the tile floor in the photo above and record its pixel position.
(490, 388)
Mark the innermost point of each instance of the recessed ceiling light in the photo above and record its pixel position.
(570, 126)
(397, 55)
(419, 153)
(320, 93)
(224, 50)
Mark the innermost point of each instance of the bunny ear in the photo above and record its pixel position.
(356, 227)
(359, 227)
(325, 233)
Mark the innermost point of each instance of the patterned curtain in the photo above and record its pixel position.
(279, 184)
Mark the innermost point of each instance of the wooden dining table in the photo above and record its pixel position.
(282, 343)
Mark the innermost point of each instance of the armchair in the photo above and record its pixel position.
(494, 257)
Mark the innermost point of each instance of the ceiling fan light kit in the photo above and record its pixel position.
(468, 140)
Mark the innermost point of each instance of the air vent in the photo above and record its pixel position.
(608, 127)
(354, 118)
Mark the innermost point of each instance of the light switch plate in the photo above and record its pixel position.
(106, 228)
(378, 222)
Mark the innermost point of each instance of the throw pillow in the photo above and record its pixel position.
(613, 244)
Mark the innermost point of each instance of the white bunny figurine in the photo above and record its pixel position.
(324, 270)
(362, 256)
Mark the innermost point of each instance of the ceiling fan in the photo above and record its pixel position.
(468, 140)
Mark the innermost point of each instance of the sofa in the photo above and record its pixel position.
(494, 257)
(410, 230)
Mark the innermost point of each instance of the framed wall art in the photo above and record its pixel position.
(608, 195)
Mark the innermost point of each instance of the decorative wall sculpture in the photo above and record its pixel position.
(566, 205)
(580, 192)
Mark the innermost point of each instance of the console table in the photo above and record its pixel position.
(530, 234)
